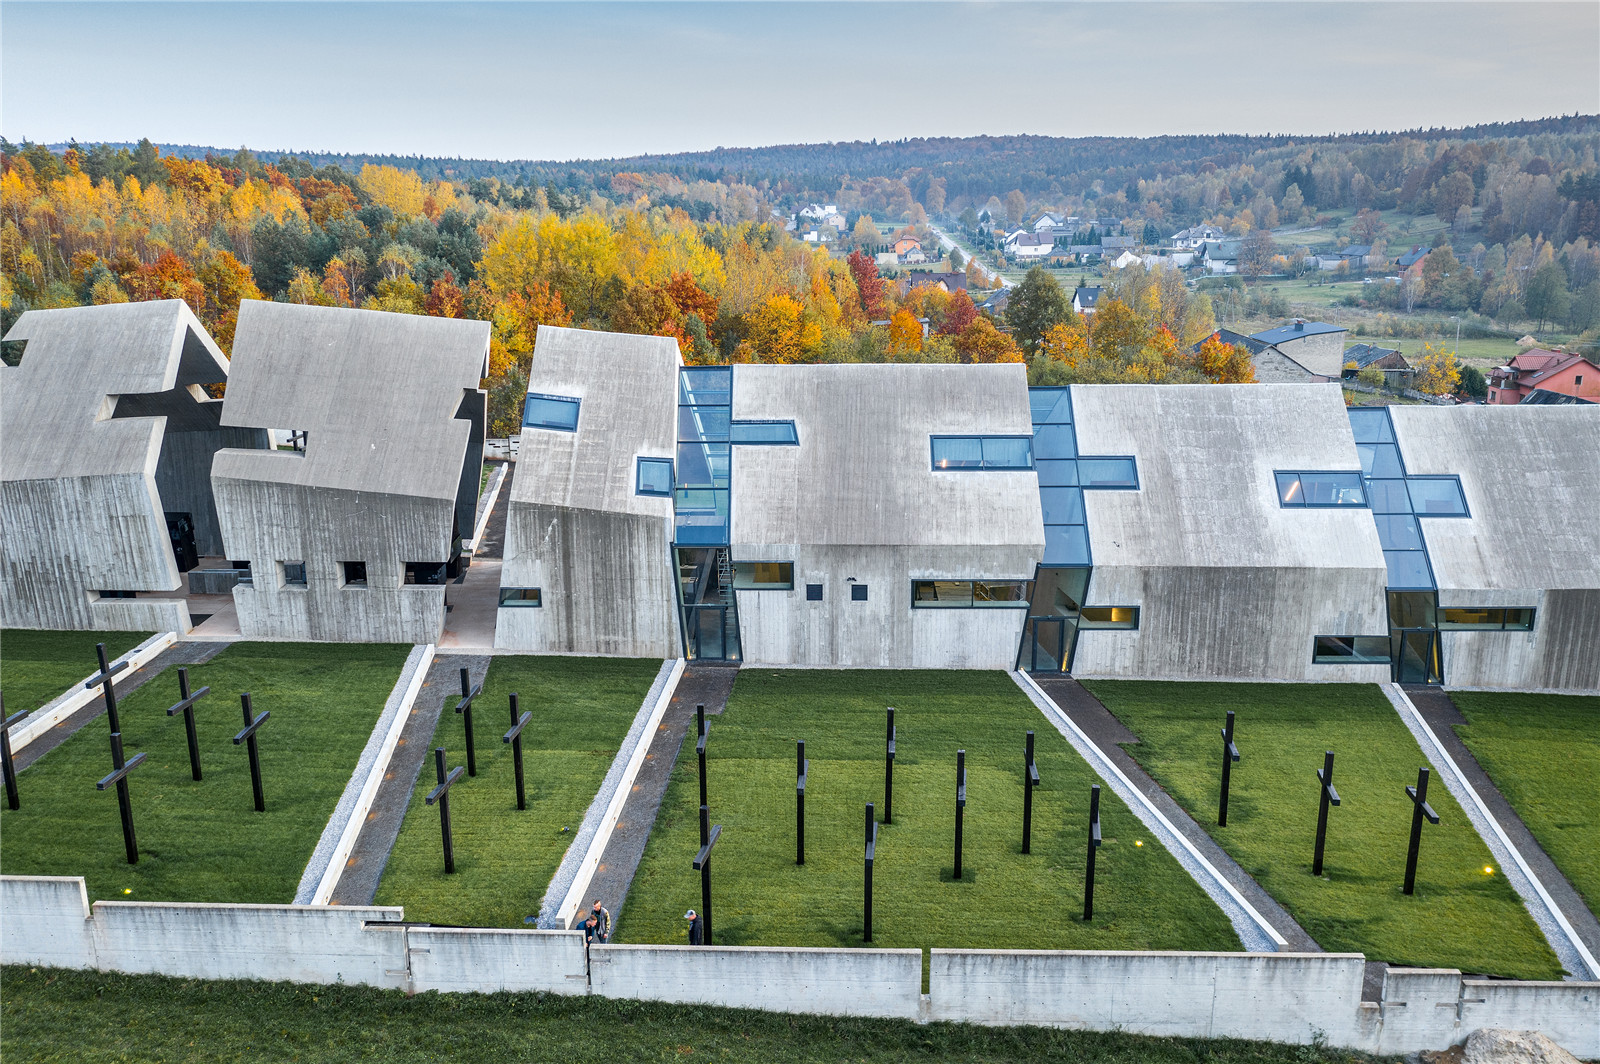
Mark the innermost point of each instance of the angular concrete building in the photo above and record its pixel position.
(351, 533)
(105, 498)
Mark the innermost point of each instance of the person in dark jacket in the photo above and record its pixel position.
(602, 927)
(590, 929)
(696, 928)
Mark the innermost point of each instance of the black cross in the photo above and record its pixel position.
(1030, 780)
(702, 864)
(961, 804)
(119, 776)
(441, 795)
(1329, 797)
(103, 677)
(1094, 844)
(802, 768)
(186, 706)
(248, 736)
(514, 737)
(1419, 809)
(469, 694)
(700, 750)
(888, 772)
(6, 764)
(872, 853)
(1230, 754)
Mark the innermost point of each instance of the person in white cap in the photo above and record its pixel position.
(696, 928)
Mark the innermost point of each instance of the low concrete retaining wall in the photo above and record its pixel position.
(77, 696)
(1426, 1008)
(485, 960)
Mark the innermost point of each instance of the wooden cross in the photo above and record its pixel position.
(248, 736)
(119, 776)
(702, 863)
(872, 853)
(1329, 797)
(469, 694)
(700, 750)
(961, 804)
(1029, 782)
(440, 795)
(514, 737)
(802, 768)
(186, 707)
(1094, 844)
(7, 765)
(888, 772)
(1419, 809)
(103, 678)
(1230, 754)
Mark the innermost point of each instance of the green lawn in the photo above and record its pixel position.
(37, 666)
(1143, 898)
(1459, 917)
(1543, 752)
(582, 708)
(57, 1015)
(205, 841)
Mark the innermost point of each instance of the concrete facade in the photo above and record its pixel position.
(108, 428)
(1531, 480)
(600, 553)
(388, 476)
(859, 502)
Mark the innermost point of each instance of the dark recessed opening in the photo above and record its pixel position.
(858, 592)
(813, 592)
(355, 574)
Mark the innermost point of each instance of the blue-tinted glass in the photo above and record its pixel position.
(1066, 545)
(1333, 489)
(1380, 459)
(1398, 531)
(701, 531)
(1371, 426)
(1007, 452)
(957, 452)
(1054, 441)
(1388, 496)
(1437, 497)
(703, 422)
(1108, 473)
(1057, 471)
(550, 412)
(702, 501)
(703, 465)
(1408, 568)
(764, 432)
(706, 385)
(655, 476)
(1050, 406)
(1062, 506)
(1289, 493)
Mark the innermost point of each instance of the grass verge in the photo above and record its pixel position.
(204, 841)
(38, 666)
(1543, 752)
(1143, 898)
(1459, 917)
(582, 708)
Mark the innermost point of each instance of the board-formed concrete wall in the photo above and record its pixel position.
(487, 960)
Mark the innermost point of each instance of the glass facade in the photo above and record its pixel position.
(701, 516)
(1320, 489)
(969, 594)
(982, 452)
(1350, 650)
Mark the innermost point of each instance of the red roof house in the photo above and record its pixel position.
(1551, 371)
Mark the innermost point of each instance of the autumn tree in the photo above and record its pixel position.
(959, 313)
(1437, 372)
(864, 271)
(982, 342)
(1016, 206)
(1451, 193)
(1368, 226)
(445, 298)
(905, 332)
(1037, 304)
(776, 330)
(1224, 363)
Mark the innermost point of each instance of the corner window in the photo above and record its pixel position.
(775, 432)
(355, 573)
(1320, 489)
(1436, 497)
(1108, 473)
(813, 592)
(653, 477)
(1350, 650)
(969, 594)
(520, 596)
(858, 592)
(982, 452)
(550, 412)
(763, 576)
(294, 573)
(1485, 619)
(1124, 617)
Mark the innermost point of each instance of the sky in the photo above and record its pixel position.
(559, 81)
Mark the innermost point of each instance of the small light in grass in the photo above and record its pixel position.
(1488, 869)
(127, 890)
(1138, 842)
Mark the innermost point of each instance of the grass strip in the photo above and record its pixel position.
(582, 709)
(1461, 916)
(37, 666)
(204, 841)
(1143, 898)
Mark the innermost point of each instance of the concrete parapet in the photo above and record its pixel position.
(486, 960)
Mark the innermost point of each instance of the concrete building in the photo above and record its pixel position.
(108, 440)
(351, 535)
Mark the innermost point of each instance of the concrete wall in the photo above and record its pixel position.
(1274, 367)
(483, 960)
(183, 477)
(1320, 353)
(1436, 1008)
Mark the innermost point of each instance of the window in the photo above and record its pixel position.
(294, 574)
(858, 592)
(763, 576)
(1108, 473)
(1485, 619)
(1126, 617)
(550, 412)
(1350, 650)
(1436, 497)
(1389, 496)
(1066, 545)
(982, 452)
(1057, 472)
(1055, 441)
(704, 422)
(1050, 406)
(1398, 531)
(780, 432)
(520, 596)
(1371, 425)
(117, 594)
(813, 592)
(355, 573)
(1408, 568)
(1062, 506)
(1320, 489)
(653, 477)
(1380, 460)
(425, 572)
(966, 594)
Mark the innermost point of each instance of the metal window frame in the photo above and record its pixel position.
(523, 604)
(1466, 510)
(577, 411)
(972, 599)
(764, 587)
(862, 588)
(1131, 459)
(734, 425)
(1361, 485)
(1087, 625)
(982, 466)
(638, 476)
(1458, 626)
(1352, 658)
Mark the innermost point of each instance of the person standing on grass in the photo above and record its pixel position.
(602, 915)
(697, 936)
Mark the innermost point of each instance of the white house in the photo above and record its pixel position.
(1195, 236)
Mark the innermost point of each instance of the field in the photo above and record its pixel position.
(1543, 753)
(204, 841)
(582, 708)
(37, 666)
(1461, 916)
(1143, 898)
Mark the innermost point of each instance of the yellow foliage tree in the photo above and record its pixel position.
(401, 191)
(775, 330)
(905, 332)
(1437, 371)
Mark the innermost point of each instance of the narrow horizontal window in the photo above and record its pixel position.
(778, 432)
(1125, 617)
(763, 576)
(520, 596)
(1320, 489)
(982, 452)
(117, 594)
(1008, 594)
(1108, 473)
(653, 477)
(426, 572)
(1350, 650)
(550, 412)
(969, 594)
(1436, 497)
(1485, 619)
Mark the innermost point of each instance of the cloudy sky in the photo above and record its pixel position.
(563, 81)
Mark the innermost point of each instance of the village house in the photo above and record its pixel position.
(1539, 370)
(1397, 372)
(1196, 237)
(1085, 298)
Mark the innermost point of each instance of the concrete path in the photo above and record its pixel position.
(175, 655)
(473, 607)
(1442, 716)
(707, 684)
(493, 544)
(1107, 732)
(365, 867)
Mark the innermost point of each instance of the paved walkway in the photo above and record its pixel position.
(473, 605)
(1106, 731)
(441, 688)
(707, 684)
(493, 544)
(1443, 716)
